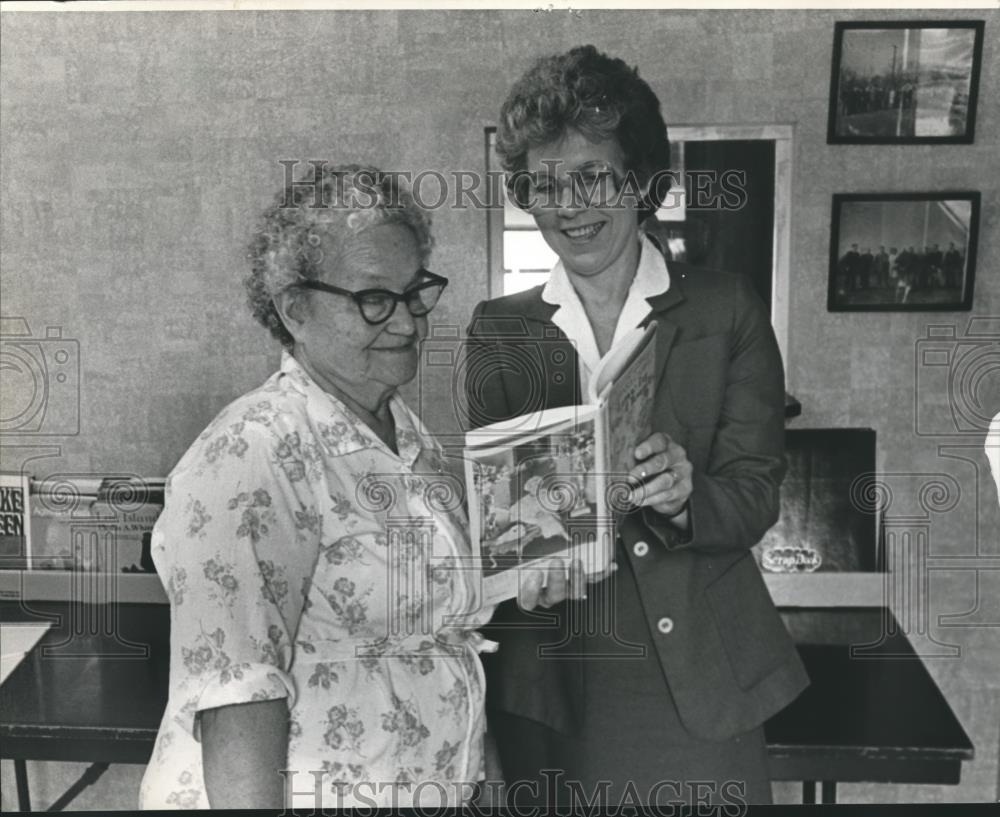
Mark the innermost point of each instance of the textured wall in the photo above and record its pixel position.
(138, 149)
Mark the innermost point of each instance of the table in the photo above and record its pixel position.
(863, 719)
(81, 702)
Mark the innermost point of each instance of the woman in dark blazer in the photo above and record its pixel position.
(655, 687)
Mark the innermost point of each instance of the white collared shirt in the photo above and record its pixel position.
(651, 278)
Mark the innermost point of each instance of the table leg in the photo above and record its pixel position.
(829, 791)
(21, 778)
(808, 791)
(88, 778)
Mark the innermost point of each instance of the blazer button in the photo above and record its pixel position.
(665, 625)
(640, 548)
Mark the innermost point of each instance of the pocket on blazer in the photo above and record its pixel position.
(752, 632)
(696, 372)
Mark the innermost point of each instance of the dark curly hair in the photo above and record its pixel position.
(597, 95)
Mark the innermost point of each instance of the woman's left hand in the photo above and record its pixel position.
(662, 476)
(558, 583)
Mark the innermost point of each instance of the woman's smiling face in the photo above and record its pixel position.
(588, 240)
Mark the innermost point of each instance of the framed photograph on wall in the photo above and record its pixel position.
(903, 252)
(905, 82)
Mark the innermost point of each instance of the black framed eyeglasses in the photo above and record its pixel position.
(591, 184)
(378, 305)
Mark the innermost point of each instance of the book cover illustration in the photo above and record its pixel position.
(629, 401)
(529, 492)
(548, 484)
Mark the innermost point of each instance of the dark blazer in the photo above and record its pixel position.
(728, 659)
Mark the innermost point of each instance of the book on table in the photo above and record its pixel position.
(548, 484)
(15, 521)
(54, 528)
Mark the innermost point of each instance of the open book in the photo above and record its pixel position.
(549, 483)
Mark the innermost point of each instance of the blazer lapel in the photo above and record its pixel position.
(559, 358)
(667, 330)
(557, 354)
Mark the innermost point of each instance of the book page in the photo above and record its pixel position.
(537, 484)
(533, 496)
(628, 405)
(618, 359)
(523, 427)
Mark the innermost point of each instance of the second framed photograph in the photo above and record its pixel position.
(905, 82)
(903, 252)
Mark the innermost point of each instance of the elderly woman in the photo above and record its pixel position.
(654, 689)
(321, 645)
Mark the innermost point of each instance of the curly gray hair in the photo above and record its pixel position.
(339, 202)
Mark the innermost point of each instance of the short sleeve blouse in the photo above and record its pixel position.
(305, 560)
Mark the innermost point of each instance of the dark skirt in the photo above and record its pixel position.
(632, 748)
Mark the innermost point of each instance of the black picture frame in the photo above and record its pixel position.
(922, 275)
(885, 110)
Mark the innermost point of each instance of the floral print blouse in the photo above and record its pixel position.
(303, 559)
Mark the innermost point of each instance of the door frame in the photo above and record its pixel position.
(782, 136)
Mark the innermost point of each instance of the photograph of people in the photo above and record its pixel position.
(933, 237)
(902, 81)
(289, 649)
(534, 496)
(578, 133)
